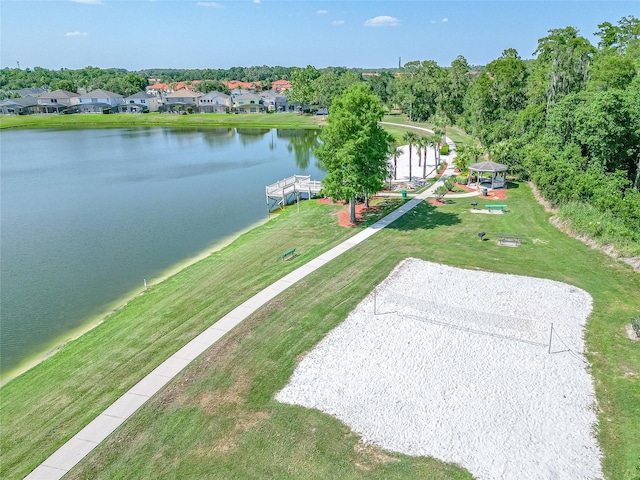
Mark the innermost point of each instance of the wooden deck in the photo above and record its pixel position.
(291, 189)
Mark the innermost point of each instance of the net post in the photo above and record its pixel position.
(550, 337)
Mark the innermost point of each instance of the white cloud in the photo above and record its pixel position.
(337, 22)
(445, 20)
(256, 1)
(209, 4)
(76, 34)
(382, 21)
(433, 22)
(320, 12)
(89, 2)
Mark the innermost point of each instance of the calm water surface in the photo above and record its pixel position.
(88, 214)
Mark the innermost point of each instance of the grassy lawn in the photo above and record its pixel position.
(280, 120)
(454, 133)
(219, 419)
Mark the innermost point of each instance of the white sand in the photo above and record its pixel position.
(444, 376)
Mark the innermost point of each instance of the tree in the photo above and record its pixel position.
(302, 83)
(423, 144)
(354, 149)
(411, 138)
(395, 153)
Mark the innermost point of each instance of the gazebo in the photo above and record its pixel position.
(497, 172)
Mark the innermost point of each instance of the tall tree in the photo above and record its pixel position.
(411, 138)
(354, 149)
(562, 63)
(302, 82)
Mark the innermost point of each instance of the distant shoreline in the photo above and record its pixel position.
(123, 120)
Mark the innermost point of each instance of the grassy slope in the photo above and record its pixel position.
(218, 419)
(284, 120)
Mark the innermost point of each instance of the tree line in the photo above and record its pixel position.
(569, 120)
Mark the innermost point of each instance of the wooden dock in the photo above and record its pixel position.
(291, 189)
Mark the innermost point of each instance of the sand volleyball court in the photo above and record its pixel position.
(458, 365)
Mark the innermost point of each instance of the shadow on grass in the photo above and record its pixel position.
(423, 217)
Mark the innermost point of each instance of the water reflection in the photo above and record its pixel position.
(251, 135)
(302, 143)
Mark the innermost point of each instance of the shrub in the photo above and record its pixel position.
(462, 179)
(444, 149)
(449, 183)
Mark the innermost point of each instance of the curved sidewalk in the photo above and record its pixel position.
(82, 443)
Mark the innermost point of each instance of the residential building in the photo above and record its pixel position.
(181, 100)
(19, 106)
(248, 103)
(214, 102)
(140, 102)
(281, 85)
(97, 101)
(274, 101)
(57, 101)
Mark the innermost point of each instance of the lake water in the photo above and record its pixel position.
(87, 215)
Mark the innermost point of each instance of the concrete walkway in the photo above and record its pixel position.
(81, 444)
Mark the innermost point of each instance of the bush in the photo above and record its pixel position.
(449, 183)
(444, 149)
(462, 179)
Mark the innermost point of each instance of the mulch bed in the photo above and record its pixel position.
(343, 215)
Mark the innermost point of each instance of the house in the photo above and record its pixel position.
(214, 102)
(19, 106)
(158, 89)
(140, 102)
(181, 100)
(248, 103)
(274, 101)
(249, 86)
(98, 100)
(31, 92)
(281, 85)
(57, 101)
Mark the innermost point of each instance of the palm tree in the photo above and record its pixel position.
(411, 138)
(434, 142)
(423, 144)
(438, 132)
(395, 153)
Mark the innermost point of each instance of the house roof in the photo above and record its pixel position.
(488, 167)
(248, 96)
(100, 93)
(183, 93)
(20, 102)
(140, 95)
(159, 86)
(213, 94)
(232, 84)
(59, 94)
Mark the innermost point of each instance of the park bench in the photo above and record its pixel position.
(492, 207)
(288, 253)
(509, 239)
(635, 323)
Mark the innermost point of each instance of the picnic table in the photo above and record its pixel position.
(509, 239)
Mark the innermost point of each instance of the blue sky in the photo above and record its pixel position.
(138, 34)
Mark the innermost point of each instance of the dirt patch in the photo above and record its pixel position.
(631, 333)
(436, 203)
(548, 207)
(244, 422)
(369, 457)
(211, 402)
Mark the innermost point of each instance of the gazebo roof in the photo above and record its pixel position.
(488, 167)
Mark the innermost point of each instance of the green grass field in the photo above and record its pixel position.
(123, 120)
(219, 419)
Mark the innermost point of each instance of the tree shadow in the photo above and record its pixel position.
(423, 216)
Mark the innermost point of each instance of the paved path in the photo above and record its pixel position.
(81, 444)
